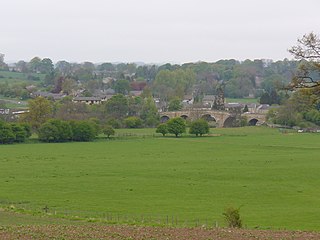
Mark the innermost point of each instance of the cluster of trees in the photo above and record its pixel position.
(178, 125)
(302, 108)
(55, 130)
(14, 132)
(239, 79)
(119, 111)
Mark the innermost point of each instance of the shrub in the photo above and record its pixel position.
(19, 132)
(114, 123)
(162, 128)
(6, 133)
(133, 122)
(108, 130)
(55, 130)
(232, 217)
(83, 131)
(199, 127)
(176, 126)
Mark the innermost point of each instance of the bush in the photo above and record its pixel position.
(199, 127)
(114, 123)
(55, 130)
(176, 126)
(162, 128)
(19, 132)
(83, 131)
(108, 130)
(6, 133)
(133, 122)
(232, 217)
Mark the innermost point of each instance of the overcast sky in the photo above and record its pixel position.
(154, 31)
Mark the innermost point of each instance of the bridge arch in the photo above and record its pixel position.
(253, 122)
(164, 118)
(208, 118)
(230, 122)
(184, 116)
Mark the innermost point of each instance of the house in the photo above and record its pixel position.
(88, 100)
(208, 101)
(135, 93)
(233, 106)
(188, 100)
(54, 96)
(263, 108)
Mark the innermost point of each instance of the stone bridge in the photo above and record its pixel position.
(221, 118)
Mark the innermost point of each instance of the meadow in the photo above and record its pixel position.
(272, 176)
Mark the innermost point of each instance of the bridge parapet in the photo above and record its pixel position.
(219, 117)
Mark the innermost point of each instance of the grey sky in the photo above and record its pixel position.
(154, 30)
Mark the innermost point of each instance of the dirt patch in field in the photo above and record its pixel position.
(145, 233)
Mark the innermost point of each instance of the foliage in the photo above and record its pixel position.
(117, 106)
(83, 131)
(133, 122)
(108, 131)
(175, 104)
(162, 128)
(13, 132)
(199, 127)
(313, 116)
(232, 217)
(40, 110)
(307, 51)
(122, 86)
(245, 109)
(115, 123)
(55, 130)
(176, 126)
(173, 83)
(149, 112)
(19, 132)
(6, 133)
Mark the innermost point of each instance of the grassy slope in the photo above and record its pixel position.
(16, 77)
(272, 176)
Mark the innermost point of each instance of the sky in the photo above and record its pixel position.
(154, 31)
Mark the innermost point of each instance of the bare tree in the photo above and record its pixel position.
(307, 51)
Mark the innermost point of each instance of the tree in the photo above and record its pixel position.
(40, 110)
(133, 122)
(265, 98)
(122, 86)
(64, 68)
(162, 128)
(19, 132)
(6, 133)
(108, 130)
(55, 130)
(83, 131)
(175, 104)
(35, 64)
(46, 66)
(3, 65)
(245, 109)
(149, 113)
(199, 127)
(117, 106)
(307, 51)
(176, 126)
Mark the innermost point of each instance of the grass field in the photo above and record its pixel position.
(242, 100)
(273, 177)
(17, 77)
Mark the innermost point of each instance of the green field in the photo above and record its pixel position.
(242, 100)
(272, 176)
(17, 77)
